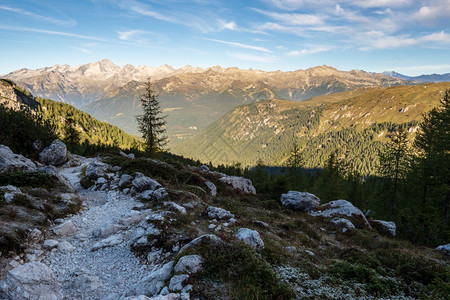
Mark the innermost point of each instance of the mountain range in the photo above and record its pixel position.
(191, 97)
(421, 78)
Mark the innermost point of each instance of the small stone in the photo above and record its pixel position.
(250, 237)
(218, 213)
(66, 228)
(212, 226)
(176, 282)
(66, 247)
(189, 264)
(50, 244)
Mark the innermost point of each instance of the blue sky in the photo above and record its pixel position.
(409, 36)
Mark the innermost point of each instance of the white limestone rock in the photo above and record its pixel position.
(50, 244)
(300, 201)
(65, 246)
(206, 238)
(143, 183)
(55, 154)
(176, 282)
(11, 162)
(66, 228)
(33, 280)
(124, 179)
(96, 169)
(341, 221)
(444, 248)
(189, 264)
(111, 241)
(250, 237)
(152, 284)
(212, 188)
(239, 183)
(175, 207)
(340, 208)
(383, 226)
(218, 213)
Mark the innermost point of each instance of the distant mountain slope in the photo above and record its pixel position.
(90, 129)
(193, 97)
(354, 122)
(422, 78)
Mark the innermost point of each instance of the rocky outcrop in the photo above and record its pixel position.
(55, 154)
(207, 238)
(96, 169)
(300, 201)
(250, 237)
(11, 162)
(239, 183)
(33, 281)
(340, 208)
(212, 188)
(444, 248)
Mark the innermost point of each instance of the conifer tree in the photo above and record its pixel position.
(294, 166)
(395, 163)
(151, 123)
(433, 143)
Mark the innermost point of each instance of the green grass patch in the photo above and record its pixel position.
(28, 179)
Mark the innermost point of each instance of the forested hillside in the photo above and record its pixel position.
(44, 119)
(352, 124)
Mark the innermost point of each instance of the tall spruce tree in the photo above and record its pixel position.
(293, 168)
(151, 123)
(394, 164)
(433, 143)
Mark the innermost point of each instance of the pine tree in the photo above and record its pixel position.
(395, 163)
(433, 143)
(151, 123)
(294, 165)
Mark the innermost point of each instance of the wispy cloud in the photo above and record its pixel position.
(153, 14)
(239, 45)
(377, 40)
(293, 19)
(311, 50)
(126, 35)
(83, 50)
(50, 32)
(248, 57)
(66, 22)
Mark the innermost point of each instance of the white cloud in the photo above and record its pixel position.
(380, 3)
(222, 25)
(51, 32)
(66, 22)
(377, 40)
(239, 45)
(434, 9)
(83, 50)
(153, 14)
(248, 57)
(126, 35)
(292, 19)
(311, 50)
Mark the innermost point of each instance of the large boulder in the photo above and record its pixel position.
(11, 162)
(206, 238)
(55, 154)
(96, 169)
(444, 249)
(250, 237)
(143, 183)
(152, 284)
(300, 201)
(338, 208)
(239, 183)
(385, 227)
(34, 281)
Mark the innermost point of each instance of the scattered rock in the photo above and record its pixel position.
(189, 264)
(239, 183)
(444, 248)
(106, 230)
(383, 226)
(175, 207)
(111, 241)
(66, 247)
(66, 228)
(341, 221)
(125, 179)
(153, 283)
(250, 237)
(10, 162)
(204, 168)
(35, 234)
(218, 213)
(207, 238)
(176, 282)
(300, 201)
(212, 188)
(33, 280)
(157, 195)
(143, 183)
(50, 244)
(55, 154)
(340, 208)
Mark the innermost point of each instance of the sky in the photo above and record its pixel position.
(411, 37)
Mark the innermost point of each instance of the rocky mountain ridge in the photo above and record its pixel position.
(421, 78)
(192, 97)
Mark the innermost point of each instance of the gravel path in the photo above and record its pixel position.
(107, 272)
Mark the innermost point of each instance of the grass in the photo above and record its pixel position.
(28, 179)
